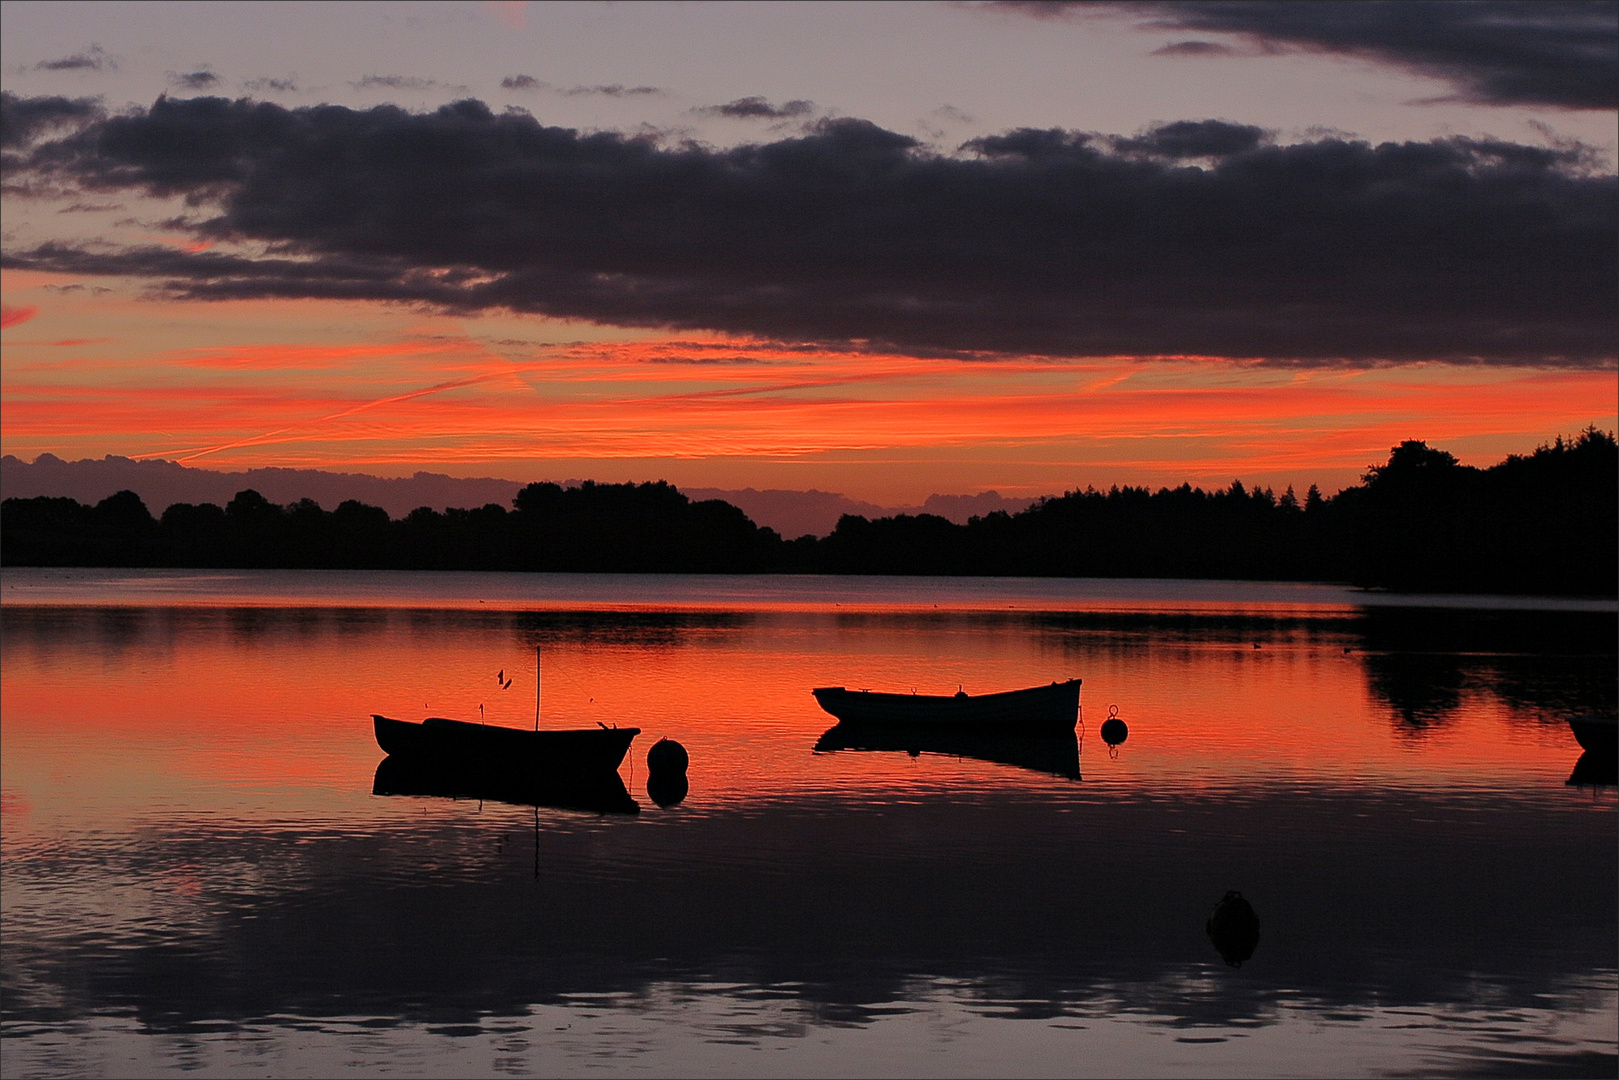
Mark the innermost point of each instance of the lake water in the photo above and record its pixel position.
(196, 876)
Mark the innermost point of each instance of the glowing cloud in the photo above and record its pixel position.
(16, 316)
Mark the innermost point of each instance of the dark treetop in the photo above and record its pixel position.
(1547, 522)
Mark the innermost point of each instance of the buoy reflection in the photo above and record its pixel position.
(1233, 927)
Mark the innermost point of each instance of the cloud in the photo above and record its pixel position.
(13, 315)
(1194, 48)
(1196, 139)
(77, 286)
(1040, 242)
(401, 82)
(194, 80)
(95, 58)
(266, 83)
(611, 90)
(936, 124)
(23, 120)
(1557, 53)
(757, 108)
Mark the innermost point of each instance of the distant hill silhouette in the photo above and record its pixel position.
(816, 513)
(963, 508)
(161, 484)
(792, 513)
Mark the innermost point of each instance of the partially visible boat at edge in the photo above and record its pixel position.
(1053, 708)
(1594, 770)
(1596, 734)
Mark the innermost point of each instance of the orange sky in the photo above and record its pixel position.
(390, 391)
(99, 365)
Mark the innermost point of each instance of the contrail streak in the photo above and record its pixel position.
(456, 384)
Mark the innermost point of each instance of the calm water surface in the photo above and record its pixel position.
(197, 877)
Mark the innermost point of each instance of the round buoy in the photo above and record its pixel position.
(1233, 928)
(667, 788)
(667, 756)
(1114, 730)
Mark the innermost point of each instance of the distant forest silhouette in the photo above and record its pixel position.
(1546, 522)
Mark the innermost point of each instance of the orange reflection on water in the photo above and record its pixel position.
(123, 711)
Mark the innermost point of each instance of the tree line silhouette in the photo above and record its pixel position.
(1546, 522)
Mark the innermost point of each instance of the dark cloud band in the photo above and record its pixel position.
(1559, 53)
(1195, 238)
(25, 120)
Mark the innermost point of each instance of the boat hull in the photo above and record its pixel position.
(505, 751)
(1053, 708)
(1596, 734)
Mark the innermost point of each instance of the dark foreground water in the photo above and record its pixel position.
(196, 877)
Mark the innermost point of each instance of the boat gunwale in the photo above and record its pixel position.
(1053, 708)
(473, 725)
(958, 696)
(503, 748)
(1596, 733)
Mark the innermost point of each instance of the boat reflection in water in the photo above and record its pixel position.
(600, 791)
(1595, 770)
(1055, 753)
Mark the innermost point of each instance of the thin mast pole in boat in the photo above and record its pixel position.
(536, 688)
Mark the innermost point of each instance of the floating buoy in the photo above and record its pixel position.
(667, 788)
(1233, 928)
(1114, 730)
(667, 757)
(666, 773)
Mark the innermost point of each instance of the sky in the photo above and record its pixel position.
(881, 249)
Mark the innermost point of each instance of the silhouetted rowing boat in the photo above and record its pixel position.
(533, 754)
(1051, 708)
(1597, 734)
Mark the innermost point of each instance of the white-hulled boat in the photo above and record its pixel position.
(1040, 708)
